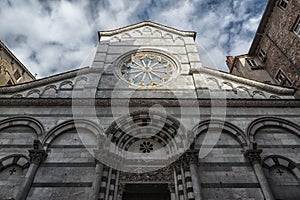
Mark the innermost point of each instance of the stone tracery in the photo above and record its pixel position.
(147, 69)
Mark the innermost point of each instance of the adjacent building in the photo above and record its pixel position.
(274, 54)
(12, 71)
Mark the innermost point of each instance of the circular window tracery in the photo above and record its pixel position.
(146, 147)
(147, 69)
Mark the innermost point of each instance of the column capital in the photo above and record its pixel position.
(37, 156)
(191, 157)
(253, 155)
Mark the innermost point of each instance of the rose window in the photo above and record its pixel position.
(146, 147)
(147, 69)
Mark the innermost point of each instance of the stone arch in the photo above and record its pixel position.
(70, 146)
(271, 121)
(273, 160)
(13, 169)
(283, 176)
(49, 91)
(223, 161)
(68, 125)
(35, 93)
(179, 40)
(14, 159)
(24, 121)
(124, 131)
(65, 85)
(229, 128)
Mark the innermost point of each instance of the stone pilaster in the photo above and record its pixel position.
(253, 155)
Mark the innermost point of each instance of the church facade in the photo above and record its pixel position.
(148, 121)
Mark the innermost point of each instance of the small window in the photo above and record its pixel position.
(296, 28)
(17, 75)
(282, 79)
(262, 55)
(251, 62)
(283, 4)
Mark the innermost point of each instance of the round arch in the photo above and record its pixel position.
(278, 160)
(71, 124)
(162, 128)
(271, 121)
(225, 126)
(24, 121)
(14, 159)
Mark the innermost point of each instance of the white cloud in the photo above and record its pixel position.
(55, 36)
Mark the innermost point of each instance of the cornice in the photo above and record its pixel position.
(147, 23)
(47, 80)
(68, 102)
(266, 87)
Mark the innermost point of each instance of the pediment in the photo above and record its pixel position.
(146, 29)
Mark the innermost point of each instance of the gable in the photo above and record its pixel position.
(145, 29)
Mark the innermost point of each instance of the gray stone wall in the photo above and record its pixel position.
(69, 169)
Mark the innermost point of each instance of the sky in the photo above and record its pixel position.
(56, 36)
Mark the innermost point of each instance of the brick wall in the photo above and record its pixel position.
(281, 44)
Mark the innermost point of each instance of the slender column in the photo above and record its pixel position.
(121, 189)
(117, 186)
(108, 184)
(176, 183)
(172, 191)
(37, 156)
(183, 182)
(193, 162)
(97, 181)
(253, 155)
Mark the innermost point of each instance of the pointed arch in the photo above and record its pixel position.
(68, 125)
(271, 121)
(24, 121)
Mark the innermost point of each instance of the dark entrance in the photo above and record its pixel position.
(146, 192)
